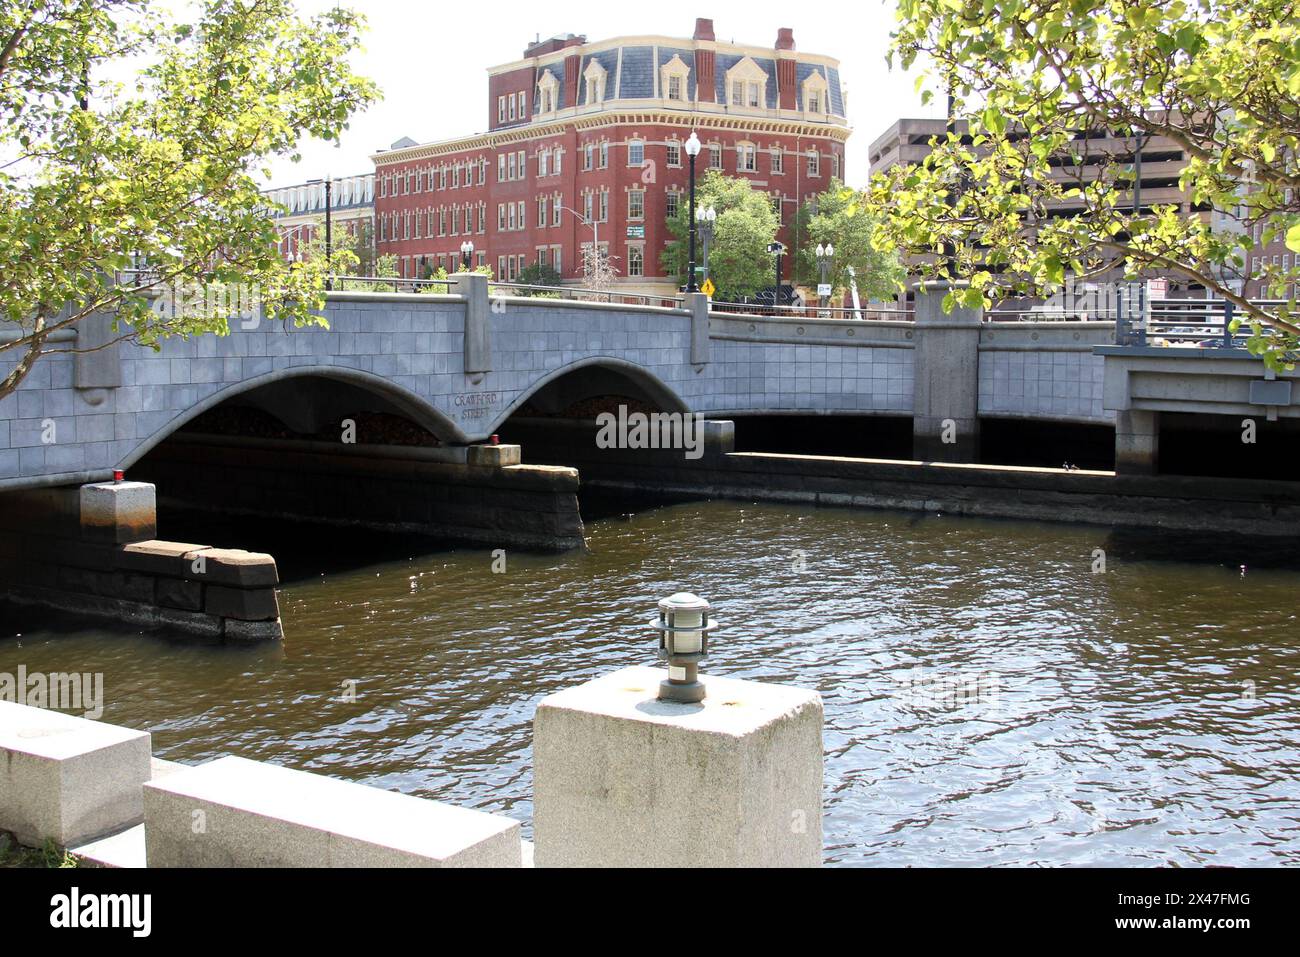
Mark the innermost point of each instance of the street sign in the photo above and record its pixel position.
(636, 232)
(708, 288)
(824, 289)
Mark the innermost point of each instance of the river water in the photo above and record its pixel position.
(991, 696)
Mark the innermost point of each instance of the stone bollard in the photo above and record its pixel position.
(625, 778)
(118, 512)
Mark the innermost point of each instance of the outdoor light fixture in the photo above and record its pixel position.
(692, 151)
(466, 254)
(683, 627)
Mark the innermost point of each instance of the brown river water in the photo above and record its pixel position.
(990, 698)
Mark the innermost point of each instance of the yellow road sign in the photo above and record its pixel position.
(708, 288)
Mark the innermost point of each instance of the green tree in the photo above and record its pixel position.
(739, 263)
(1039, 81)
(101, 175)
(535, 274)
(842, 217)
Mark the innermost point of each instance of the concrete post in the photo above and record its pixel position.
(1137, 442)
(118, 512)
(478, 312)
(622, 779)
(945, 418)
(698, 304)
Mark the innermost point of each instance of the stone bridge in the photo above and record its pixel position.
(461, 364)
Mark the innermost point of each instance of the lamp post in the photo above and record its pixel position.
(466, 255)
(329, 232)
(776, 249)
(692, 151)
(595, 228)
(683, 627)
(707, 217)
(825, 257)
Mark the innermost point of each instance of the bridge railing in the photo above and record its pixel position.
(1031, 314)
(580, 294)
(390, 284)
(866, 313)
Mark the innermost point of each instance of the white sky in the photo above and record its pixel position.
(431, 59)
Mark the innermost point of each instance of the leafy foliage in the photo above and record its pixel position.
(160, 170)
(1040, 81)
(739, 263)
(843, 218)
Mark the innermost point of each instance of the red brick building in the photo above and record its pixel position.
(597, 130)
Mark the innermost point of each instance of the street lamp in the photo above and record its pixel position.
(825, 257)
(683, 627)
(692, 150)
(707, 217)
(466, 255)
(776, 249)
(329, 234)
(595, 229)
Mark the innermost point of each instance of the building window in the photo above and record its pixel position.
(588, 156)
(543, 162)
(501, 109)
(604, 155)
(604, 205)
(715, 156)
(510, 107)
(814, 163)
(674, 154)
(418, 217)
(541, 212)
(555, 165)
(383, 187)
(635, 153)
(522, 218)
(482, 171)
(501, 167)
(511, 222)
(835, 165)
(746, 158)
(738, 93)
(523, 108)
(636, 204)
(675, 88)
(586, 206)
(672, 202)
(778, 161)
(501, 267)
(442, 222)
(814, 102)
(636, 260)
(522, 163)
(557, 207)
(556, 262)
(501, 217)
(510, 167)
(754, 96)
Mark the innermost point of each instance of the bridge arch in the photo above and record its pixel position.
(415, 407)
(596, 376)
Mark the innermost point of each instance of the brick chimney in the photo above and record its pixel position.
(785, 69)
(571, 79)
(705, 58)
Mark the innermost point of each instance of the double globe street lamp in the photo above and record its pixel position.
(825, 259)
(707, 217)
(466, 255)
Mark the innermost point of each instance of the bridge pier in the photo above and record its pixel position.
(92, 551)
(945, 420)
(1137, 442)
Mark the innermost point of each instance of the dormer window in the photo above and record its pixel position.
(748, 83)
(816, 95)
(595, 76)
(672, 78)
(547, 89)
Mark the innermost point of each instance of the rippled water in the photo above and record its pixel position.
(989, 699)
